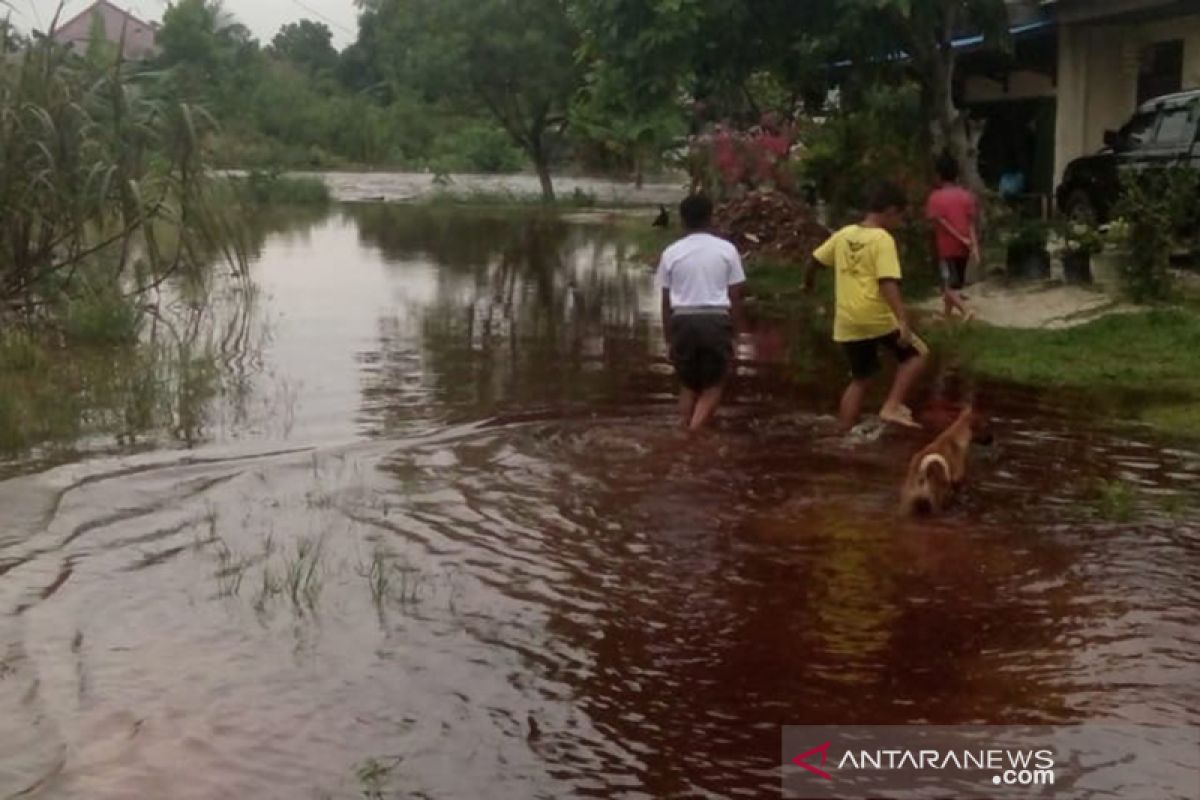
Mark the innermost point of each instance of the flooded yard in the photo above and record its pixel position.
(443, 541)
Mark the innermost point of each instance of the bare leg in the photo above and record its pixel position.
(852, 400)
(906, 375)
(706, 406)
(953, 301)
(687, 404)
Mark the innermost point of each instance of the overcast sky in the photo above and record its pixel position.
(263, 17)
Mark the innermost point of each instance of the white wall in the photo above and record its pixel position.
(1097, 77)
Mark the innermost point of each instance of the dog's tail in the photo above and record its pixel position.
(930, 460)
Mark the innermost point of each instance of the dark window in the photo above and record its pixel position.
(1160, 70)
(1178, 126)
(1139, 130)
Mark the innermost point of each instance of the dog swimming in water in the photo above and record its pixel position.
(936, 472)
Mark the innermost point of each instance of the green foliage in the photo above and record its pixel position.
(1080, 238)
(265, 188)
(1158, 209)
(478, 147)
(1158, 349)
(514, 58)
(100, 314)
(97, 176)
(1115, 500)
(882, 135)
(307, 45)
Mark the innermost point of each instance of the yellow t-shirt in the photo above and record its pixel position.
(861, 257)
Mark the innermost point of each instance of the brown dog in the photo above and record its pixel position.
(935, 472)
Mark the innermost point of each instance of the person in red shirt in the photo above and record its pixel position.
(954, 212)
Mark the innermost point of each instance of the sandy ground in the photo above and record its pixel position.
(1038, 305)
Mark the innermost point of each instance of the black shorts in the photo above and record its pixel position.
(701, 348)
(863, 354)
(953, 272)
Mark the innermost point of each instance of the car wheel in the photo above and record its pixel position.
(1080, 208)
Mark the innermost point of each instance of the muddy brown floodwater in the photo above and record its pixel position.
(450, 546)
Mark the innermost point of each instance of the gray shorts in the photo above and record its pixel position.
(701, 348)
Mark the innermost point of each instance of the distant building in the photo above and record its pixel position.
(1114, 55)
(139, 36)
(1077, 68)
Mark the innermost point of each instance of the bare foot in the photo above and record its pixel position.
(900, 415)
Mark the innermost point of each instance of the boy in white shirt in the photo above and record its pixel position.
(702, 281)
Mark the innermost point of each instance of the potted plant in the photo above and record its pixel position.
(1080, 242)
(1114, 252)
(1027, 256)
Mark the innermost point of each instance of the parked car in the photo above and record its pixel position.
(1164, 131)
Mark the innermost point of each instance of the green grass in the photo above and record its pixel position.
(1143, 365)
(1116, 501)
(263, 188)
(1153, 350)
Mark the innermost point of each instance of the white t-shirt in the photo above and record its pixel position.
(699, 269)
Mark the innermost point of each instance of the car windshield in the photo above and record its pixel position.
(1138, 131)
(1178, 125)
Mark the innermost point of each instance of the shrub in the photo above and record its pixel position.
(881, 133)
(1158, 211)
(477, 148)
(101, 315)
(271, 188)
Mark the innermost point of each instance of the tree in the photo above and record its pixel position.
(213, 55)
(514, 59)
(925, 31)
(648, 60)
(308, 45)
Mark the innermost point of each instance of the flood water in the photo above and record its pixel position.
(445, 542)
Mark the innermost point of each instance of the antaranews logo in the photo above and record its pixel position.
(989, 761)
(802, 760)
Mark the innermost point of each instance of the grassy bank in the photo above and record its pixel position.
(1143, 365)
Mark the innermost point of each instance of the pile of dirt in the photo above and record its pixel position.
(771, 225)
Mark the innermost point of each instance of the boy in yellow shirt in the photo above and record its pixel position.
(871, 315)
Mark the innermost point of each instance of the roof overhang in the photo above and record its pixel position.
(1075, 11)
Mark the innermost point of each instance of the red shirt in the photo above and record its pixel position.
(956, 206)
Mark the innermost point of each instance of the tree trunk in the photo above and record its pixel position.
(541, 163)
(952, 129)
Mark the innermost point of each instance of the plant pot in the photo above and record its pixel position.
(1106, 268)
(1077, 267)
(1028, 263)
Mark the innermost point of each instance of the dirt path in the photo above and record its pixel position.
(1040, 305)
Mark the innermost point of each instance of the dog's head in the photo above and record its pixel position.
(980, 424)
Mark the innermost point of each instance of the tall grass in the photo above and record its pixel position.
(104, 193)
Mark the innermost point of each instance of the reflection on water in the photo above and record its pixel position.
(454, 547)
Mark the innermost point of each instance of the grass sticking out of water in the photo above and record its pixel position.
(265, 188)
(373, 775)
(302, 575)
(1116, 501)
(378, 574)
(101, 316)
(391, 582)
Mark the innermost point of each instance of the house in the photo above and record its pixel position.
(1112, 56)
(139, 37)
(1077, 68)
